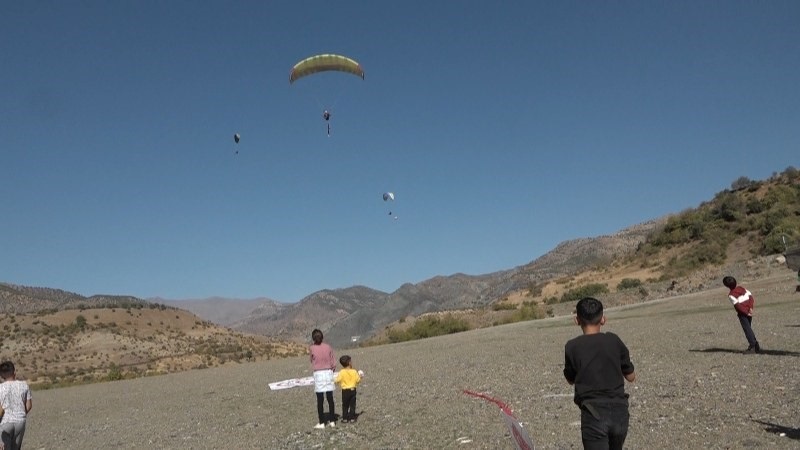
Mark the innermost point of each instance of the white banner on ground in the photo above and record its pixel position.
(293, 382)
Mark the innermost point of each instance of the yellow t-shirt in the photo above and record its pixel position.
(348, 378)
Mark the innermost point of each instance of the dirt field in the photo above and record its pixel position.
(695, 389)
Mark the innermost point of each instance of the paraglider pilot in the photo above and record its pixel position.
(327, 115)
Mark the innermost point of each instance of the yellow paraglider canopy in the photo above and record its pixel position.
(325, 62)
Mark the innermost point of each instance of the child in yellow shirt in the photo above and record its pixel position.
(348, 378)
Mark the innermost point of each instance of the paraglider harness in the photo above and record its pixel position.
(327, 116)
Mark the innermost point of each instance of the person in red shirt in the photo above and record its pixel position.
(743, 302)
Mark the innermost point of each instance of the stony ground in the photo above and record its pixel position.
(695, 389)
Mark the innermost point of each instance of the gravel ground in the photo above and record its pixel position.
(695, 389)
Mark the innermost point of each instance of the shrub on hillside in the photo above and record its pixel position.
(629, 283)
(503, 306)
(80, 322)
(526, 311)
(535, 289)
(114, 373)
(429, 327)
(741, 183)
(590, 290)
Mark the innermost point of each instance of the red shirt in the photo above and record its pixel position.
(742, 300)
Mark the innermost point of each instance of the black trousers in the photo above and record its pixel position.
(747, 327)
(604, 426)
(320, 409)
(349, 404)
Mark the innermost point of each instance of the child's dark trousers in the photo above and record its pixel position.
(349, 404)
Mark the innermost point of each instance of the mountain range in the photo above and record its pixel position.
(356, 313)
(677, 252)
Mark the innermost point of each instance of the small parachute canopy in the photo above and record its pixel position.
(236, 138)
(325, 62)
(388, 196)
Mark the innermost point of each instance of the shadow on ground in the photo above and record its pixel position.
(769, 427)
(728, 350)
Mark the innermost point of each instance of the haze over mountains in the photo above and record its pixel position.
(360, 311)
(220, 310)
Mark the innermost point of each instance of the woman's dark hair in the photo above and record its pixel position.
(316, 336)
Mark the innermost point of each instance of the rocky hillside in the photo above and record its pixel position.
(682, 252)
(25, 299)
(93, 344)
(350, 315)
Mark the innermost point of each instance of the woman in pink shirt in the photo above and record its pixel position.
(323, 362)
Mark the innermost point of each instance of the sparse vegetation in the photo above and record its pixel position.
(589, 290)
(429, 326)
(767, 212)
(629, 283)
(503, 306)
(527, 311)
(47, 347)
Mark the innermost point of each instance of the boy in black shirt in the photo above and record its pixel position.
(597, 364)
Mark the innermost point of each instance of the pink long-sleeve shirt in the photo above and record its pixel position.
(322, 357)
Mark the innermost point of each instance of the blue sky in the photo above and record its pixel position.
(503, 128)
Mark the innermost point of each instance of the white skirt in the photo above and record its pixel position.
(323, 380)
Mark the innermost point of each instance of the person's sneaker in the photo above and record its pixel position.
(331, 424)
(319, 426)
(751, 350)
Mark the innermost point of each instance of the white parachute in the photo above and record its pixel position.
(389, 196)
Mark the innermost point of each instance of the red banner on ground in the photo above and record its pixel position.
(521, 438)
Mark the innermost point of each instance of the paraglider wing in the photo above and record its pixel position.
(236, 138)
(388, 196)
(322, 63)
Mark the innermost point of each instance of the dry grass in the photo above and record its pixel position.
(79, 346)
